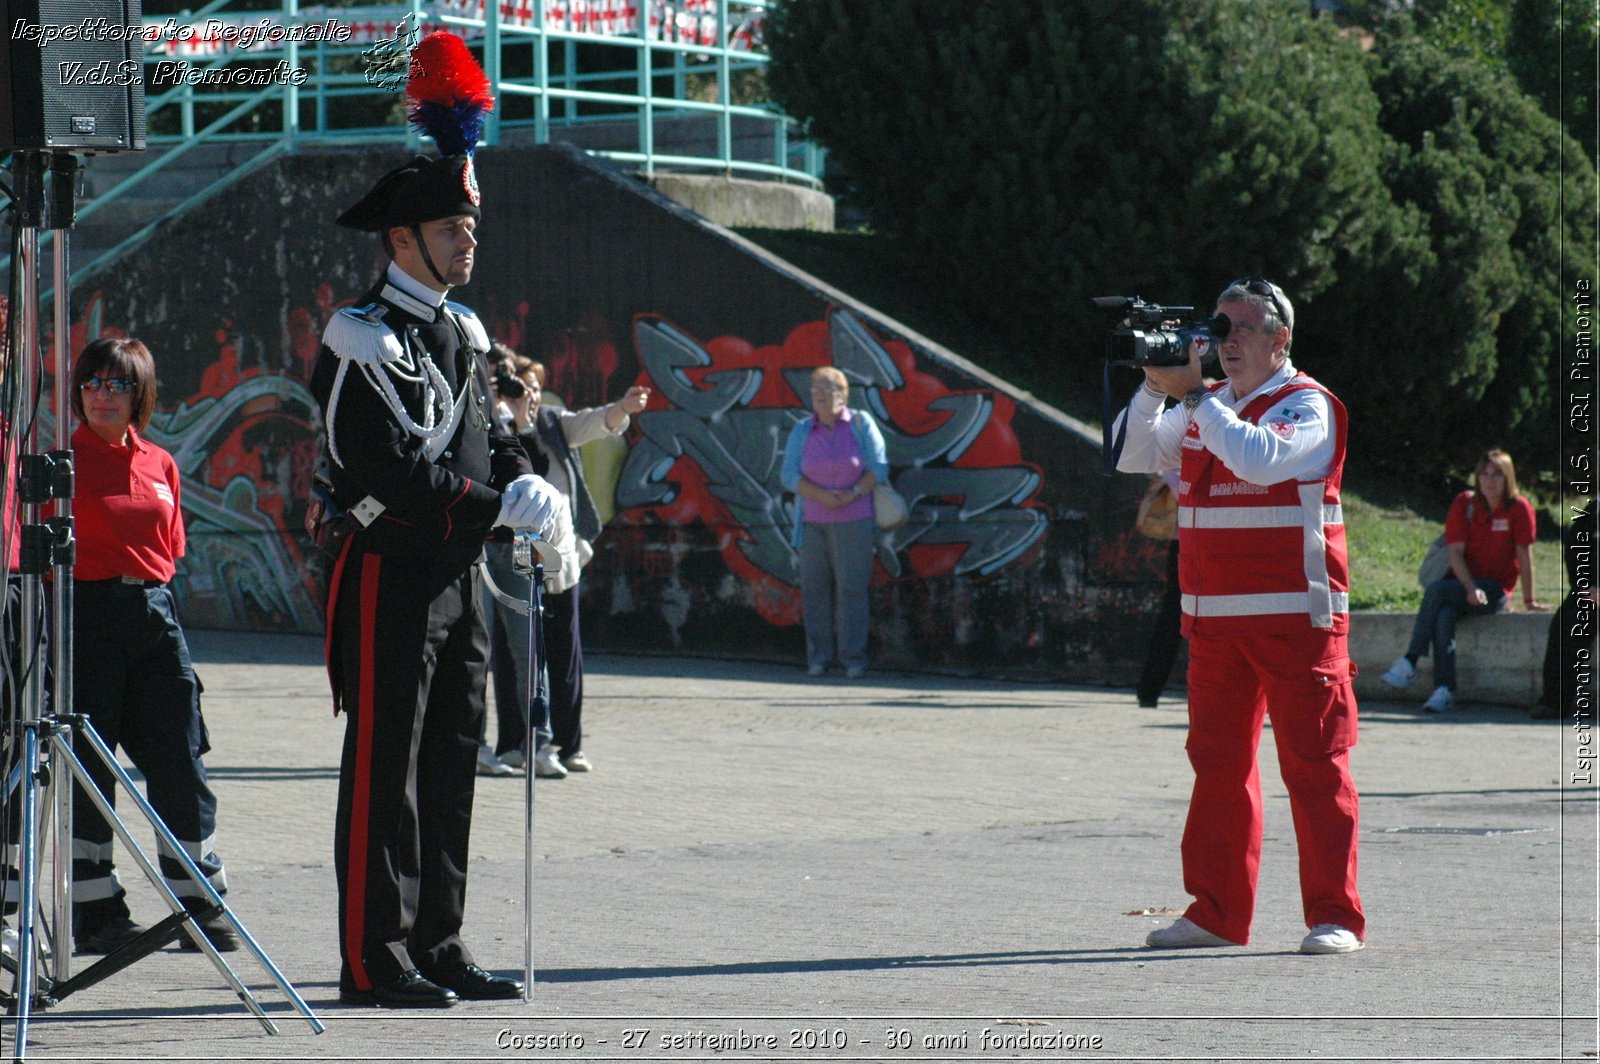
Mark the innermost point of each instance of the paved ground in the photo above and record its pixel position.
(765, 867)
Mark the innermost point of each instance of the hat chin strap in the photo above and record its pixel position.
(427, 259)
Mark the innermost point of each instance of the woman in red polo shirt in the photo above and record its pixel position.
(132, 676)
(1488, 533)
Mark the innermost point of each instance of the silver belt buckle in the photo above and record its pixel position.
(139, 580)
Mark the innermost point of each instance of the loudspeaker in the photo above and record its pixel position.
(74, 71)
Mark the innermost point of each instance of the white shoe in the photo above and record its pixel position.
(1441, 701)
(576, 762)
(1184, 934)
(489, 765)
(546, 765)
(855, 672)
(514, 758)
(1330, 938)
(11, 943)
(1400, 674)
(816, 670)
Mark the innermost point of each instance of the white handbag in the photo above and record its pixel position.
(889, 507)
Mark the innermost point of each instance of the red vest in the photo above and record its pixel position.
(1258, 559)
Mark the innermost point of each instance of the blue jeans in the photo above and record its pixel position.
(1442, 603)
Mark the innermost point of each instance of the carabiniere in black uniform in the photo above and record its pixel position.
(404, 389)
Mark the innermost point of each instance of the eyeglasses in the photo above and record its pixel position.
(1260, 286)
(117, 385)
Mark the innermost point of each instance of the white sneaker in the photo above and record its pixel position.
(1184, 934)
(546, 765)
(489, 765)
(514, 758)
(1331, 938)
(1441, 701)
(576, 762)
(1400, 674)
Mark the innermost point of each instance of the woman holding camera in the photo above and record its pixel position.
(132, 675)
(550, 436)
(1488, 533)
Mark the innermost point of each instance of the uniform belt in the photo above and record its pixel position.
(122, 581)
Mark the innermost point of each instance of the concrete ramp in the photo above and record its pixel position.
(1018, 556)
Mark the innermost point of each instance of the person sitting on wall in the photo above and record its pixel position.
(1489, 532)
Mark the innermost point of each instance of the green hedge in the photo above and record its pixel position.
(1025, 157)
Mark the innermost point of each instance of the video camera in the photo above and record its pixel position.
(1153, 335)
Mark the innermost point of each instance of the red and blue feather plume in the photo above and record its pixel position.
(449, 93)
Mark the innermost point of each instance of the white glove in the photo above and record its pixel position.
(529, 502)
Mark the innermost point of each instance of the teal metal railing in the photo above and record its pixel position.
(652, 84)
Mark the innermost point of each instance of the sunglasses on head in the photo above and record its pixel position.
(117, 385)
(1260, 286)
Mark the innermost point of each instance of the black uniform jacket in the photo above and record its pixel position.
(436, 509)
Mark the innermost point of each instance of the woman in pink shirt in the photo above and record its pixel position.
(832, 461)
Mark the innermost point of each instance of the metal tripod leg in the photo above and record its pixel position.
(62, 749)
(23, 1006)
(537, 701)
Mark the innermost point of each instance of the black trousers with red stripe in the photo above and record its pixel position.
(408, 669)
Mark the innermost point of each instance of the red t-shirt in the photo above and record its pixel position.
(126, 509)
(1491, 539)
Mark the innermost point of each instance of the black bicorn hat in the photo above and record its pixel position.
(422, 190)
(449, 97)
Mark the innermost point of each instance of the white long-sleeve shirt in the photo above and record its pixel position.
(1295, 441)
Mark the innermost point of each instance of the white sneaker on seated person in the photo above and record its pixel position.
(1400, 674)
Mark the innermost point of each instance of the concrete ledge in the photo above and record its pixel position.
(1498, 659)
(735, 202)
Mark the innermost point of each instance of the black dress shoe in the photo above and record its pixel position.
(475, 984)
(410, 991)
(104, 936)
(217, 930)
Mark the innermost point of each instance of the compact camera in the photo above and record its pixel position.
(1153, 335)
(508, 387)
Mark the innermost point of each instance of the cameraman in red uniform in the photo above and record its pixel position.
(1265, 576)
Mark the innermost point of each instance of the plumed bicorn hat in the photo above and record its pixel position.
(449, 97)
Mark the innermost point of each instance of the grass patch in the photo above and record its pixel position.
(1386, 547)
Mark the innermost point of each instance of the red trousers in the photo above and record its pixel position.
(1302, 681)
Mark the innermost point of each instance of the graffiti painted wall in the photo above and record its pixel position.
(1017, 557)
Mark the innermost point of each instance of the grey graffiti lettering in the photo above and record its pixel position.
(739, 449)
(666, 352)
(857, 353)
(237, 552)
(1000, 538)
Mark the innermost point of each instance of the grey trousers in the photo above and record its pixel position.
(835, 576)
